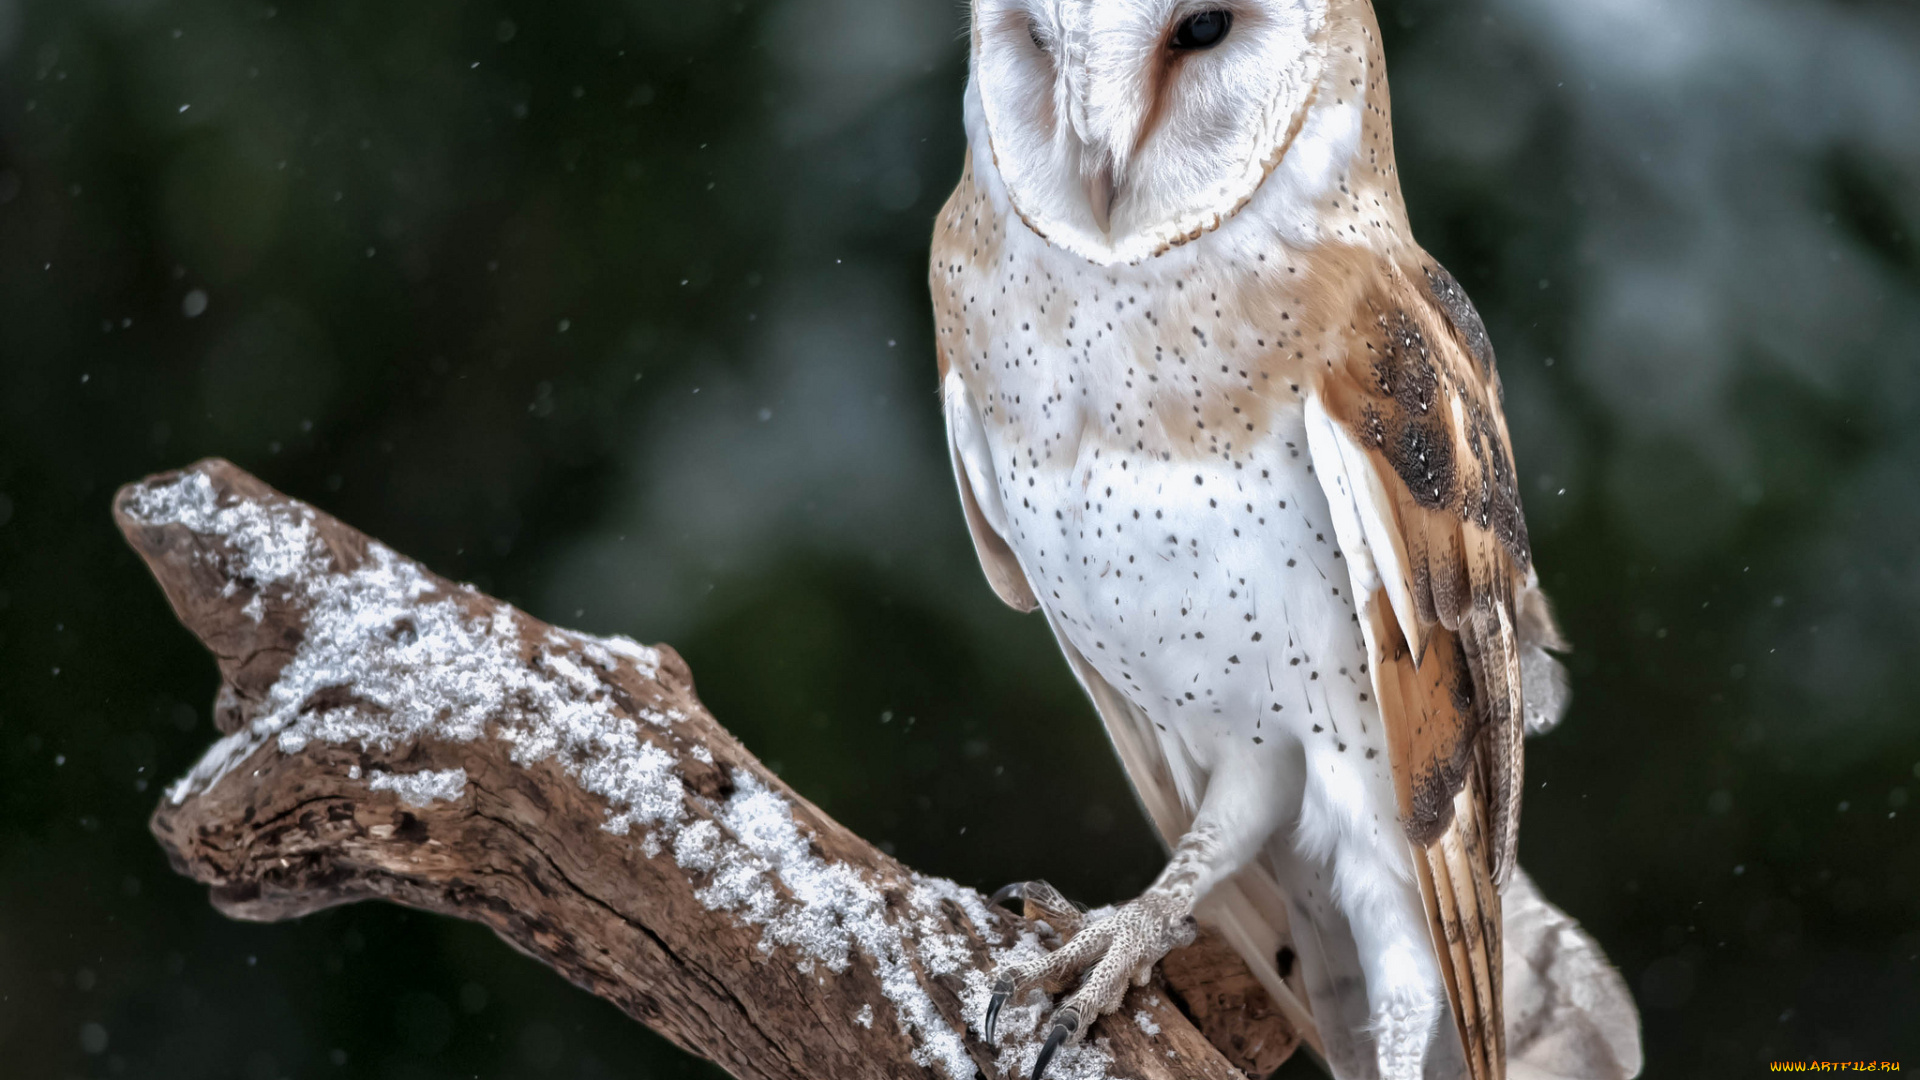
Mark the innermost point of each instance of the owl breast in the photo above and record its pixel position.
(1152, 468)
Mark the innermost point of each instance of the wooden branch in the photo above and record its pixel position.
(390, 734)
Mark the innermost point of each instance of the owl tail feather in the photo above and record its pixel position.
(1569, 1013)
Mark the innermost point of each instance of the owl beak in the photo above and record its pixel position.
(1100, 192)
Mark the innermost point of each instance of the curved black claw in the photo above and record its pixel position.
(1015, 891)
(1002, 990)
(1064, 1025)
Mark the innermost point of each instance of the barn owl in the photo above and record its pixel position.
(1215, 413)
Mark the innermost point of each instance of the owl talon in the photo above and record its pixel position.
(1002, 990)
(1041, 903)
(1012, 891)
(1065, 1023)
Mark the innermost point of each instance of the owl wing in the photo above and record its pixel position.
(980, 496)
(1409, 442)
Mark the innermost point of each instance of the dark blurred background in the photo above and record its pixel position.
(616, 308)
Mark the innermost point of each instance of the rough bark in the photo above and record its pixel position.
(390, 734)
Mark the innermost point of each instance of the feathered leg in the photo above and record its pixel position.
(1365, 949)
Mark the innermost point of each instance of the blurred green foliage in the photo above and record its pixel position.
(617, 309)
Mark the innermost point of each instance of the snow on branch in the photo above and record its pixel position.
(390, 734)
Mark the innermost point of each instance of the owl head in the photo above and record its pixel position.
(1122, 127)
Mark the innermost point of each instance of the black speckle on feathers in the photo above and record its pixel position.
(1452, 301)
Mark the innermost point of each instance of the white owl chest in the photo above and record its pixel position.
(1194, 566)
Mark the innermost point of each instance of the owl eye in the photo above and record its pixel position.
(1202, 31)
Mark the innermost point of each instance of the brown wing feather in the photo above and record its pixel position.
(1419, 394)
(1423, 704)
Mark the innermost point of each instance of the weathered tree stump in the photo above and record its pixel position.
(390, 734)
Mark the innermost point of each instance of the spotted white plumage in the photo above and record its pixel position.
(1216, 415)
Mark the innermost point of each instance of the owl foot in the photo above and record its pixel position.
(1105, 955)
(1403, 1024)
(1401, 1037)
(1054, 917)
